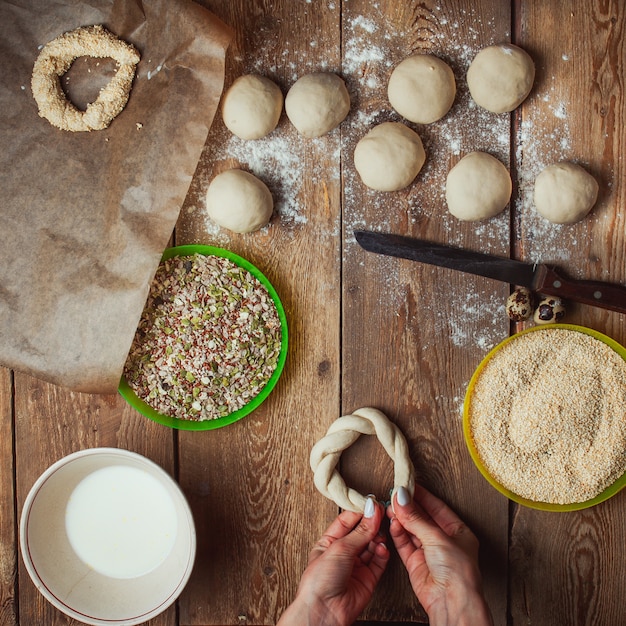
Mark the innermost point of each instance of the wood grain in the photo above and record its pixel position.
(50, 423)
(573, 115)
(413, 334)
(370, 330)
(8, 524)
(251, 488)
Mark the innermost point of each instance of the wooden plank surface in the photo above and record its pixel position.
(412, 334)
(8, 539)
(366, 330)
(250, 486)
(50, 423)
(575, 113)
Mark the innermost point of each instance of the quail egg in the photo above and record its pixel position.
(519, 305)
(549, 310)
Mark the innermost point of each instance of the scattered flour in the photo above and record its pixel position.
(526, 146)
(472, 326)
(288, 163)
(366, 68)
(542, 138)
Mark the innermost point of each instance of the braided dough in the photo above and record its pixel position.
(56, 58)
(342, 433)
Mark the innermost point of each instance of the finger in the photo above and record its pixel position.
(379, 561)
(447, 519)
(343, 524)
(402, 540)
(440, 512)
(367, 554)
(415, 519)
(365, 531)
(391, 512)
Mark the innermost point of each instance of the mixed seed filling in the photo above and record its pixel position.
(208, 340)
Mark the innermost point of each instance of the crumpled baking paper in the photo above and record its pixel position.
(85, 216)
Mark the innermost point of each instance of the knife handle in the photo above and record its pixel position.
(595, 293)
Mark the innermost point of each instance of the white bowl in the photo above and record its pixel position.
(109, 506)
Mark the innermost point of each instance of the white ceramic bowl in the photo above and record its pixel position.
(137, 565)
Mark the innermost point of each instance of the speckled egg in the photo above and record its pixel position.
(519, 305)
(549, 310)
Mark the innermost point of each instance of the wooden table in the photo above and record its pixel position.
(373, 331)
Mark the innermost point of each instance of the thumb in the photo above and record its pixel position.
(365, 531)
(414, 519)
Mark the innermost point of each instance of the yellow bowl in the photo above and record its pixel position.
(610, 491)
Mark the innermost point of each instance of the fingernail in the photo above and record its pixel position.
(403, 497)
(369, 509)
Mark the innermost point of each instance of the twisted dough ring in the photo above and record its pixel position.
(56, 58)
(342, 433)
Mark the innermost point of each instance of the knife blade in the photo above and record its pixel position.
(544, 279)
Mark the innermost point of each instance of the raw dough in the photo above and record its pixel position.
(389, 157)
(317, 103)
(500, 77)
(422, 88)
(239, 201)
(565, 193)
(343, 432)
(477, 187)
(252, 106)
(56, 58)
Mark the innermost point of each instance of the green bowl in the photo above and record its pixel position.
(610, 491)
(173, 422)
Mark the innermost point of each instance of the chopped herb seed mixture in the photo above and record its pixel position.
(208, 340)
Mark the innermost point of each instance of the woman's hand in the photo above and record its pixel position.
(344, 568)
(440, 554)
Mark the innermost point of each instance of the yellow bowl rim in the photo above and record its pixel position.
(610, 491)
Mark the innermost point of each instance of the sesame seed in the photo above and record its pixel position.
(547, 416)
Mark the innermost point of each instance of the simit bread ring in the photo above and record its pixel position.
(56, 58)
(342, 433)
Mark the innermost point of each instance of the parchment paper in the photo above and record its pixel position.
(85, 216)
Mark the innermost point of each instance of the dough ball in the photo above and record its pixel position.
(239, 201)
(422, 88)
(389, 157)
(565, 193)
(317, 103)
(500, 77)
(252, 106)
(477, 187)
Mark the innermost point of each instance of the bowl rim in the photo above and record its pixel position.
(607, 493)
(30, 564)
(196, 425)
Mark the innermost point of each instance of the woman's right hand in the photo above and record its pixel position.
(440, 554)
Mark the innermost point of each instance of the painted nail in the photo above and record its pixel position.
(403, 497)
(370, 509)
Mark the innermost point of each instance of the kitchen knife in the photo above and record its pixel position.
(541, 278)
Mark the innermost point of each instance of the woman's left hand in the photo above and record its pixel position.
(344, 568)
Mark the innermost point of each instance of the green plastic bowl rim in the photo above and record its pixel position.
(173, 422)
(610, 491)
